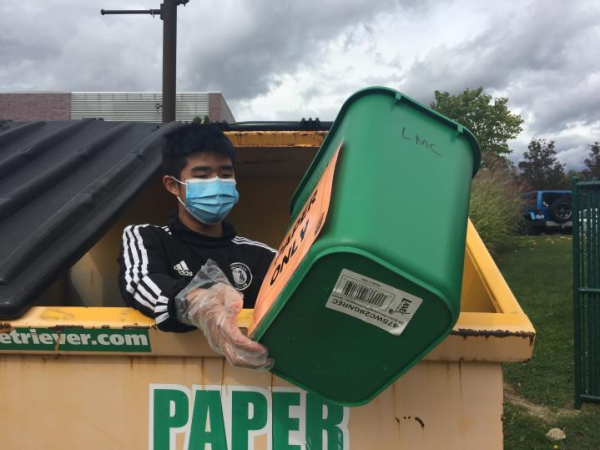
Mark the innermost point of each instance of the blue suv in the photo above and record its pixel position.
(547, 210)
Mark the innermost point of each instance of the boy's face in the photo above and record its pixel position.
(203, 165)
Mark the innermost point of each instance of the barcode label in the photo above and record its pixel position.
(365, 294)
(371, 301)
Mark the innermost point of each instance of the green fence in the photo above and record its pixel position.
(586, 289)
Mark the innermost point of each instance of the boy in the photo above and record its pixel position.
(156, 263)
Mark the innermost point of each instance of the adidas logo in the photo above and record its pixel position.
(183, 269)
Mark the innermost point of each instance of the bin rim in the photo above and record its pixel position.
(400, 97)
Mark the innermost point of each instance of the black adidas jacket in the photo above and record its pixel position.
(156, 262)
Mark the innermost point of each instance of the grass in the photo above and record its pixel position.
(539, 394)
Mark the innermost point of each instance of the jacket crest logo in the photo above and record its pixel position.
(242, 277)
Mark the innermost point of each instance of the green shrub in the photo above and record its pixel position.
(496, 206)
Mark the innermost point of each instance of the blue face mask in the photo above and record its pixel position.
(210, 200)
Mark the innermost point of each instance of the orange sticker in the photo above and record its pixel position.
(296, 243)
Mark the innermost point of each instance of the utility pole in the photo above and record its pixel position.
(168, 14)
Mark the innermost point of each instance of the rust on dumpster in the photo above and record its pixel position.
(466, 333)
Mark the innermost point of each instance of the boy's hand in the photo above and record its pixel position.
(215, 312)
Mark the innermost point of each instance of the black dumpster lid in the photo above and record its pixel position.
(62, 183)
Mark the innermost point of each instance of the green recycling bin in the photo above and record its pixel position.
(378, 286)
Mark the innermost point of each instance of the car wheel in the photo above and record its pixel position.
(527, 228)
(562, 209)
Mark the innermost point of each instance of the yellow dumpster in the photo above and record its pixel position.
(102, 376)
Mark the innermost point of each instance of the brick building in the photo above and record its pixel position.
(120, 106)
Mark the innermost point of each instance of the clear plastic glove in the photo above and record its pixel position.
(210, 303)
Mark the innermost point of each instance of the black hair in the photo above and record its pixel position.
(191, 139)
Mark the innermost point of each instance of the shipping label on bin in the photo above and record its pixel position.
(373, 302)
(297, 242)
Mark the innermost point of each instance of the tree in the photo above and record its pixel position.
(572, 173)
(489, 119)
(540, 169)
(203, 119)
(593, 162)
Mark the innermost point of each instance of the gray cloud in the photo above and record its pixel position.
(240, 48)
(272, 38)
(534, 56)
(66, 45)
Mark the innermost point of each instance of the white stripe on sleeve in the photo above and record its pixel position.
(146, 294)
(162, 317)
(144, 253)
(126, 250)
(152, 285)
(136, 259)
(143, 301)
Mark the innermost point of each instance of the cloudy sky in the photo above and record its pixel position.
(284, 59)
